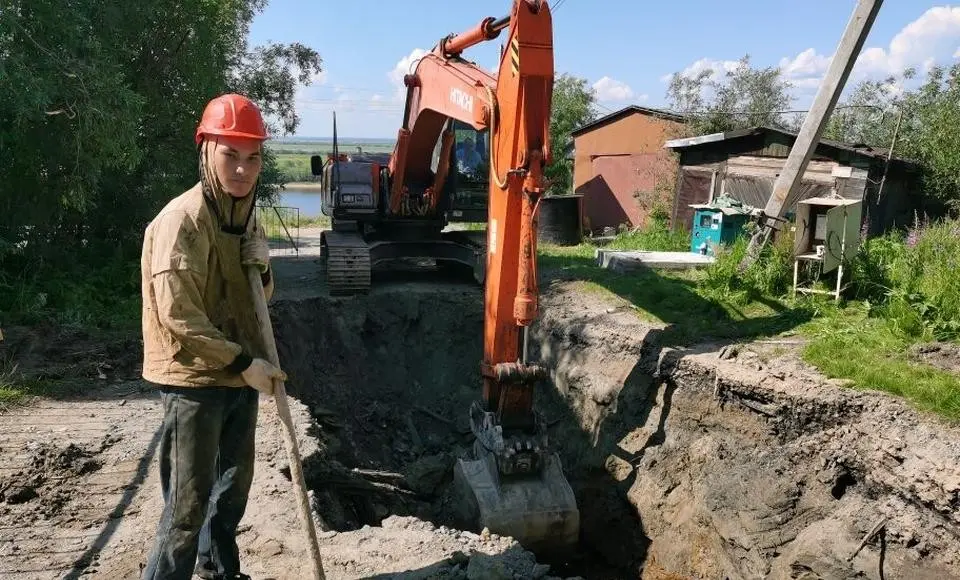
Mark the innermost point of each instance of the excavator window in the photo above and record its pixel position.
(471, 152)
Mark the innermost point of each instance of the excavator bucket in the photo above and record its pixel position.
(539, 511)
(515, 488)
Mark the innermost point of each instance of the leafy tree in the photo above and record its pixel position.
(741, 96)
(931, 132)
(572, 107)
(869, 113)
(929, 119)
(98, 105)
(97, 110)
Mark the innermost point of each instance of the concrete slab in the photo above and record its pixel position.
(626, 261)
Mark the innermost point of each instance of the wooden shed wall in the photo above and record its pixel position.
(750, 179)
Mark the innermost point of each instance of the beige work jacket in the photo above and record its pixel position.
(198, 310)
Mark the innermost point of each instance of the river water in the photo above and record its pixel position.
(307, 201)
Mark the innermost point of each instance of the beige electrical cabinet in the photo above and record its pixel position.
(828, 235)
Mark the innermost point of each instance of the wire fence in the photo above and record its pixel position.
(282, 227)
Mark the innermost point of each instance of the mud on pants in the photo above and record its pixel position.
(206, 468)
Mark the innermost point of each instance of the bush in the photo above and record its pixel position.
(656, 236)
(769, 275)
(104, 296)
(924, 301)
(872, 267)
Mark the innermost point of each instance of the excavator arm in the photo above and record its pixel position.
(513, 482)
(520, 147)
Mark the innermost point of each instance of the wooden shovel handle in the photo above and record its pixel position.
(289, 434)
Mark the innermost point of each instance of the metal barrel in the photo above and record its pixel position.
(560, 220)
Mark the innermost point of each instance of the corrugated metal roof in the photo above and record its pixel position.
(616, 115)
(859, 148)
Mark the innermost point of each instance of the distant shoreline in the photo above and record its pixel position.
(303, 186)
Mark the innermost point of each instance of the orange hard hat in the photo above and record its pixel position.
(231, 115)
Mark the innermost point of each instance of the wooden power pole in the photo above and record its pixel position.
(814, 123)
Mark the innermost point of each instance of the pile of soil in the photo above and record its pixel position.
(942, 355)
(39, 487)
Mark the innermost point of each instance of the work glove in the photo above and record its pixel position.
(254, 250)
(260, 375)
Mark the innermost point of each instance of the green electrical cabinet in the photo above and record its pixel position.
(715, 226)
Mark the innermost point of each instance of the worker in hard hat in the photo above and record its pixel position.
(203, 346)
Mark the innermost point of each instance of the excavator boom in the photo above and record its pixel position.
(514, 481)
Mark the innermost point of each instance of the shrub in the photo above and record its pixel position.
(769, 275)
(924, 301)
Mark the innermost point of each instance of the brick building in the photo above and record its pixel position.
(622, 168)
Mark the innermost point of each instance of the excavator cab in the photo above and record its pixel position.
(370, 229)
(469, 178)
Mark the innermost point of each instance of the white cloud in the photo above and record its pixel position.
(931, 38)
(922, 43)
(807, 63)
(609, 89)
(718, 68)
(933, 35)
(404, 66)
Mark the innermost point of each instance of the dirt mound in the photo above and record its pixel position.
(942, 355)
(68, 356)
(744, 463)
(38, 487)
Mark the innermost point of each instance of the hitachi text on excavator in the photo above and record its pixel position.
(472, 146)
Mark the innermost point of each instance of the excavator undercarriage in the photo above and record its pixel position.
(350, 258)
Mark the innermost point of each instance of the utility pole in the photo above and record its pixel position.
(814, 123)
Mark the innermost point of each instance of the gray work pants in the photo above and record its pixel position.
(206, 468)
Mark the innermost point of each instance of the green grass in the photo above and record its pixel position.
(903, 292)
(675, 299)
(314, 221)
(322, 147)
(293, 157)
(294, 167)
(472, 226)
(15, 390)
(76, 296)
(848, 344)
(656, 238)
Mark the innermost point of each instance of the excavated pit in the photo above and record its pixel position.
(685, 464)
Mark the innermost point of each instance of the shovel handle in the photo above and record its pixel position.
(289, 433)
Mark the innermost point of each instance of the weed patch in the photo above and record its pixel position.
(873, 353)
(107, 296)
(904, 290)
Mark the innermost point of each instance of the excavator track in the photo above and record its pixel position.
(348, 263)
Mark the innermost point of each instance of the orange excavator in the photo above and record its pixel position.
(512, 483)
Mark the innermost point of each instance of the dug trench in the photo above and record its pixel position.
(707, 462)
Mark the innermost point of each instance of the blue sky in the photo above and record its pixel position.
(626, 50)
